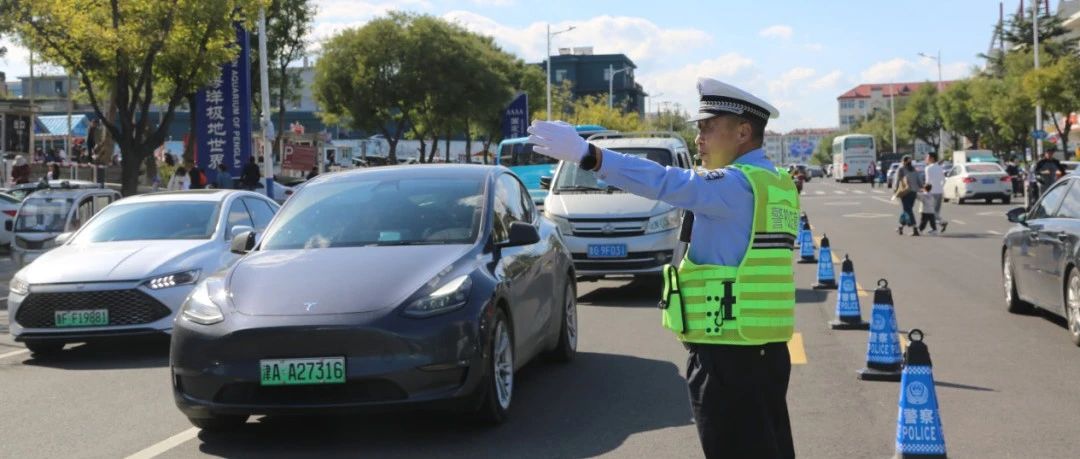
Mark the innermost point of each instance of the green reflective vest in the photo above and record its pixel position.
(752, 303)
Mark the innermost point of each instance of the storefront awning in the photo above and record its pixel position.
(57, 126)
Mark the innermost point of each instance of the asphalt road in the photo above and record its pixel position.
(1007, 384)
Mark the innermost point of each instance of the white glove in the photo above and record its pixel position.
(557, 140)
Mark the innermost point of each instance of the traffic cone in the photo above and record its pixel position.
(826, 278)
(918, 423)
(806, 243)
(804, 223)
(883, 359)
(848, 311)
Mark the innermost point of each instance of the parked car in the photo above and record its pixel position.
(21, 191)
(46, 215)
(377, 288)
(608, 230)
(128, 270)
(815, 171)
(9, 206)
(986, 181)
(1040, 255)
(890, 177)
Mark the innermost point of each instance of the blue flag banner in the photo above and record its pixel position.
(515, 119)
(223, 115)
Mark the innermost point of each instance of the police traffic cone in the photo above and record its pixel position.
(883, 359)
(804, 223)
(918, 423)
(806, 243)
(848, 311)
(826, 278)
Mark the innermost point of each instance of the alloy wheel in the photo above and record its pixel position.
(503, 366)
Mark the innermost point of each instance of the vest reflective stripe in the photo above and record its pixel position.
(752, 303)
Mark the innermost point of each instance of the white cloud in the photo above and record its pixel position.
(493, 2)
(777, 31)
(336, 15)
(827, 81)
(679, 85)
(902, 70)
(783, 84)
(638, 38)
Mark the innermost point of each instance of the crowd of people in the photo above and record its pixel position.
(189, 176)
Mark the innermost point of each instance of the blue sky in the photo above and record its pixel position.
(798, 55)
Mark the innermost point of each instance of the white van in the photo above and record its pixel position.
(47, 217)
(852, 156)
(974, 156)
(610, 231)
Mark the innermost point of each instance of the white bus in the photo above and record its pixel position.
(852, 156)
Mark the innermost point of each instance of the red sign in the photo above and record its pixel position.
(299, 157)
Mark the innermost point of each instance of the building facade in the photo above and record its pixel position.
(796, 146)
(860, 102)
(589, 75)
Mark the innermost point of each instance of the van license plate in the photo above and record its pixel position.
(607, 251)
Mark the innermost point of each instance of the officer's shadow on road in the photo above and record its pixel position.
(641, 291)
(112, 355)
(584, 409)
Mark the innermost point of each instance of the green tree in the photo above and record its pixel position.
(133, 55)
(1017, 35)
(823, 151)
(963, 113)
(287, 23)
(920, 117)
(879, 124)
(1055, 87)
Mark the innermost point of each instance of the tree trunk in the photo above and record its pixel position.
(423, 149)
(487, 148)
(280, 141)
(447, 148)
(131, 158)
(434, 147)
(468, 142)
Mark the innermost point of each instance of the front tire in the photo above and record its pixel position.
(219, 422)
(1072, 305)
(568, 331)
(1006, 200)
(499, 380)
(45, 348)
(1012, 299)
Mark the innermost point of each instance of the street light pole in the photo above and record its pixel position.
(1038, 106)
(264, 89)
(611, 84)
(940, 89)
(547, 57)
(892, 114)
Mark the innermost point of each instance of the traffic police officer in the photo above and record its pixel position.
(731, 301)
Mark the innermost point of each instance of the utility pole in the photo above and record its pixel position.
(1038, 106)
(611, 84)
(892, 113)
(267, 126)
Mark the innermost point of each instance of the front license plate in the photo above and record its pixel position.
(607, 251)
(290, 372)
(81, 318)
(988, 181)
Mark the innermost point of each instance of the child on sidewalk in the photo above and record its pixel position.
(926, 211)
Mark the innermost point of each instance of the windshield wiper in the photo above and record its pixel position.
(579, 188)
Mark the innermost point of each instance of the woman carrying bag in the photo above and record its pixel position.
(907, 181)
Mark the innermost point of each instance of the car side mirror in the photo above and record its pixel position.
(243, 243)
(63, 238)
(8, 225)
(522, 233)
(238, 230)
(1017, 215)
(545, 182)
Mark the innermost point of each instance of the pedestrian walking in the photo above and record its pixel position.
(871, 171)
(166, 169)
(251, 175)
(1048, 170)
(180, 180)
(314, 173)
(1015, 178)
(20, 172)
(907, 181)
(223, 180)
(746, 217)
(935, 177)
(53, 172)
(927, 210)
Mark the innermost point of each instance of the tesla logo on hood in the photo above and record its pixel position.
(309, 305)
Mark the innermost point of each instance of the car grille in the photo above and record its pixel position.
(30, 245)
(126, 307)
(609, 228)
(369, 391)
(633, 261)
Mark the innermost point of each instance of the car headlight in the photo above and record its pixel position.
(565, 228)
(203, 306)
(172, 280)
(18, 286)
(452, 295)
(663, 222)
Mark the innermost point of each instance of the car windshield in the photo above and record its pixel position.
(149, 221)
(521, 154)
(573, 178)
(43, 215)
(412, 211)
(984, 168)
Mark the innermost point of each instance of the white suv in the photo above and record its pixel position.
(608, 230)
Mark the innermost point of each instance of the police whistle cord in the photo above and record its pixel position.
(848, 309)
(883, 358)
(826, 278)
(918, 422)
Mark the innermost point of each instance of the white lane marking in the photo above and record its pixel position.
(14, 353)
(166, 444)
(839, 192)
(877, 192)
(867, 215)
(991, 214)
(993, 232)
(843, 203)
(819, 192)
(858, 191)
(886, 201)
(958, 222)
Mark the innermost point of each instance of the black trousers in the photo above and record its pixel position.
(738, 395)
(927, 218)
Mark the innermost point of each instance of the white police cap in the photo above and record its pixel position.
(719, 98)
